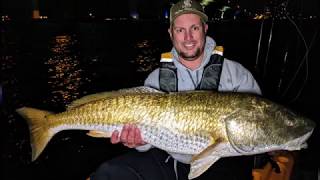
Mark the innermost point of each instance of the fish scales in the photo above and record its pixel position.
(159, 121)
(205, 124)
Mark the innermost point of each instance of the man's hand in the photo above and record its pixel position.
(130, 136)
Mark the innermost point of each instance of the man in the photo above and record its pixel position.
(191, 67)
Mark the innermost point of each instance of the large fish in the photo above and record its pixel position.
(205, 124)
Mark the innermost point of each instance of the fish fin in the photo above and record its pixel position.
(202, 162)
(207, 151)
(99, 134)
(140, 89)
(39, 130)
(102, 95)
(90, 98)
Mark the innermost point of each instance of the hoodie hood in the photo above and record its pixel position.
(209, 46)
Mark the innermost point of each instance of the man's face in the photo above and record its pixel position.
(188, 36)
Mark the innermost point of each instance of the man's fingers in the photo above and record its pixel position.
(124, 134)
(131, 135)
(115, 137)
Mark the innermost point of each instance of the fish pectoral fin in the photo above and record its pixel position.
(99, 134)
(207, 151)
(199, 166)
(202, 161)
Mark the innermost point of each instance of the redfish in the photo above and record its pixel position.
(205, 124)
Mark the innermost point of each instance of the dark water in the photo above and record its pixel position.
(47, 65)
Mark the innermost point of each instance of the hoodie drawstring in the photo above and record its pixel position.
(195, 83)
(175, 166)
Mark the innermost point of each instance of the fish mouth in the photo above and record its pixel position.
(298, 143)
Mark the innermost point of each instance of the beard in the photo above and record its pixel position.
(190, 57)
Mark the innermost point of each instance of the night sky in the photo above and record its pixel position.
(70, 9)
(147, 9)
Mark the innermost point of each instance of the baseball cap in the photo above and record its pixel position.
(185, 7)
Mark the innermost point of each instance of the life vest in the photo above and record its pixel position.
(168, 79)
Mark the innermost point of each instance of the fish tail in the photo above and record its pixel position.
(39, 129)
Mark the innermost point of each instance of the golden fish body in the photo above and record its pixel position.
(208, 125)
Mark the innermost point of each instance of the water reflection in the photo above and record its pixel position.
(64, 71)
(7, 62)
(148, 55)
(7, 80)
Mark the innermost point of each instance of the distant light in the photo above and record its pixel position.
(5, 18)
(225, 8)
(259, 16)
(134, 15)
(166, 14)
(91, 13)
(206, 2)
(36, 14)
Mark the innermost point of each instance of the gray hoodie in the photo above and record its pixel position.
(234, 77)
